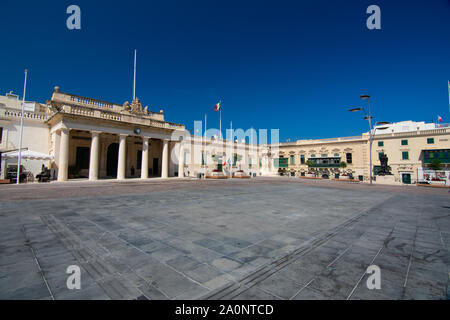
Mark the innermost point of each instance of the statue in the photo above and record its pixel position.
(126, 106)
(384, 170)
(135, 107)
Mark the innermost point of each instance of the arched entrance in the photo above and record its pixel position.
(112, 160)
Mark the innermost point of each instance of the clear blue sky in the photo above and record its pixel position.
(293, 65)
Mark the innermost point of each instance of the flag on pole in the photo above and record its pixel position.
(439, 118)
(218, 106)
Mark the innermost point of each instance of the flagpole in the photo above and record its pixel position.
(220, 121)
(232, 149)
(449, 95)
(204, 156)
(19, 159)
(134, 81)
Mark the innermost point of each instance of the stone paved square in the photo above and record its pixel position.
(264, 238)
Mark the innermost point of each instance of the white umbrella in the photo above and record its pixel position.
(27, 154)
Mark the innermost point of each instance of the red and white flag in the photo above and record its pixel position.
(439, 118)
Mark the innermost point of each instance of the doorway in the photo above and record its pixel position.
(82, 158)
(112, 160)
(155, 167)
(406, 178)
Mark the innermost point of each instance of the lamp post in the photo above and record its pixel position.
(19, 158)
(368, 117)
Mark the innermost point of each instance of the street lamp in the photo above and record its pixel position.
(368, 117)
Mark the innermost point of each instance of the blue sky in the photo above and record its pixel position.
(293, 65)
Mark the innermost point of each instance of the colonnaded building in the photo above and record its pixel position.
(84, 138)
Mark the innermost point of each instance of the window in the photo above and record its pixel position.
(405, 155)
(139, 160)
(313, 156)
(250, 161)
(292, 160)
(336, 154)
(430, 140)
(348, 157)
(260, 162)
(1, 134)
(404, 142)
(381, 143)
(380, 154)
(324, 155)
(302, 159)
(203, 160)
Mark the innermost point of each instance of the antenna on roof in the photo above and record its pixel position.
(134, 81)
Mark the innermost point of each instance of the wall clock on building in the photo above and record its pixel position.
(137, 130)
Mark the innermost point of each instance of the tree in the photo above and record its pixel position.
(343, 165)
(310, 164)
(435, 165)
(236, 158)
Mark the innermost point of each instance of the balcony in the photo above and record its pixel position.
(329, 162)
(443, 155)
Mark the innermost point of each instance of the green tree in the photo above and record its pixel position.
(343, 165)
(435, 165)
(236, 158)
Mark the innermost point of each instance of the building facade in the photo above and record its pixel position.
(94, 139)
(410, 147)
(90, 138)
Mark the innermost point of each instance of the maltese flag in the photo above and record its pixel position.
(439, 118)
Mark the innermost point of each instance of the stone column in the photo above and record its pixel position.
(165, 159)
(63, 170)
(121, 166)
(144, 164)
(93, 161)
(181, 161)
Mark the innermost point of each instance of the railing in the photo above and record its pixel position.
(317, 141)
(82, 111)
(27, 115)
(110, 116)
(325, 165)
(92, 102)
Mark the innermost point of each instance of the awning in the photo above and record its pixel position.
(27, 154)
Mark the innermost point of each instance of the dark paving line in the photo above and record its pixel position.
(230, 291)
(41, 272)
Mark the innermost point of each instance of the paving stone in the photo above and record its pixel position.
(255, 294)
(310, 294)
(174, 244)
(280, 286)
(203, 273)
(183, 263)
